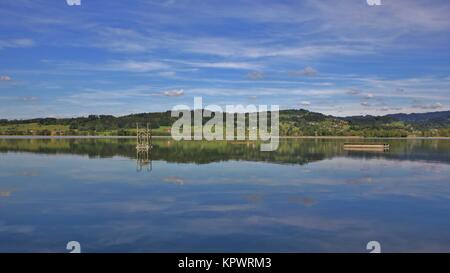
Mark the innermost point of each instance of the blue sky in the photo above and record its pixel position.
(121, 57)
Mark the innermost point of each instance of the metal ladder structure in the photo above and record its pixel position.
(144, 144)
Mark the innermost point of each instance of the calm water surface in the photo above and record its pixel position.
(308, 196)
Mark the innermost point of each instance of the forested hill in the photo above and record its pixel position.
(292, 123)
(442, 117)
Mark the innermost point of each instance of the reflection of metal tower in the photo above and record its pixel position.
(143, 147)
(144, 159)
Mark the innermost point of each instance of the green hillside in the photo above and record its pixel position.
(292, 123)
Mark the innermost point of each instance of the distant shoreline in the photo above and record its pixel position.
(168, 137)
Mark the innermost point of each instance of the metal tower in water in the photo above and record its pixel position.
(144, 145)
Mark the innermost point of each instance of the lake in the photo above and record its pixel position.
(310, 195)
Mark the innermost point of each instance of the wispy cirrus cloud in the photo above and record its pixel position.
(433, 106)
(353, 91)
(225, 65)
(387, 108)
(132, 66)
(16, 43)
(255, 75)
(173, 93)
(368, 96)
(28, 98)
(307, 71)
(136, 66)
(5, 78)
(224, 47)
(166, 67)
(24, 99)
(125, 40)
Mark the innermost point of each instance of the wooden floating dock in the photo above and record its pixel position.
(366, 146)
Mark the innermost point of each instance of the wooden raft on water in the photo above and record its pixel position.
(366, 146)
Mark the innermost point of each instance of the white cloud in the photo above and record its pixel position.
(399, 16)
(113, 65)
(125, 40)
(368, 96)
(255, 75)
(353, 91)
(167, 73)
(135, 66)
(73, 2)
(174, 93)
(225, 65)
(386, 108)
(433, 106)
(16, 43)
(307, 71)
(305, 103)
(244, 49)
(28, 98)
(5, 78)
